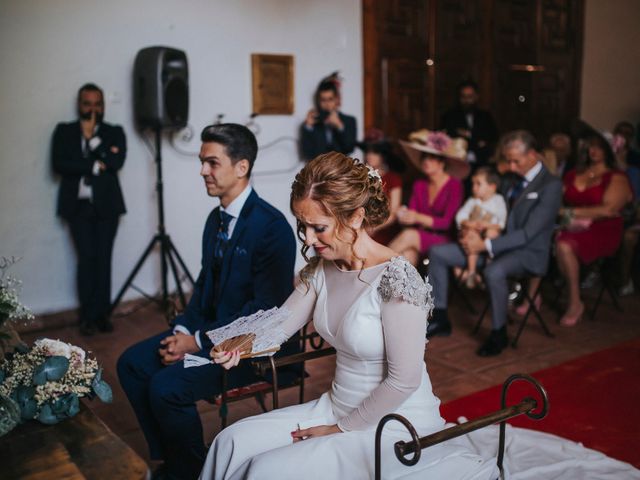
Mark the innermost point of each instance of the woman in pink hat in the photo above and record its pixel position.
(429, 217)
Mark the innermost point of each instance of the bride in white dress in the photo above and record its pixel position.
(372, 306)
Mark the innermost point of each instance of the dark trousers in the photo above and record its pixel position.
(496, 274)
(93, 238)
(164, 400)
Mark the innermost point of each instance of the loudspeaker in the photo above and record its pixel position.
(161, 88)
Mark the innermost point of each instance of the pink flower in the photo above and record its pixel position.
(618, 143)
(438, 141)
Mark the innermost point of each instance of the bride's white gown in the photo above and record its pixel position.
(369, 344)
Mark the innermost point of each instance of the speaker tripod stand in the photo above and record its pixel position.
(167, 249)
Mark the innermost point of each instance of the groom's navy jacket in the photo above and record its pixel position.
(257, 269)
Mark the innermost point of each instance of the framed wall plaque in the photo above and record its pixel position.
(272, 84)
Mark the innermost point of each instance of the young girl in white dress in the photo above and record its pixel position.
(372, 306)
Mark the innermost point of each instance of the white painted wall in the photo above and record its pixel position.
(49, 48)
(611, 65)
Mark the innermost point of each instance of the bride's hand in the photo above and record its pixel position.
(319, 431)
(226, 359)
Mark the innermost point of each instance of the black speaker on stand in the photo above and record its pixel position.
(161, 100)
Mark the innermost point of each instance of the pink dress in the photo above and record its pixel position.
(443, 209)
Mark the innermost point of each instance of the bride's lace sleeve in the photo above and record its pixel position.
(406, 304)
(302, 301)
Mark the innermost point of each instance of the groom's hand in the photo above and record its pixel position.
(174, 347)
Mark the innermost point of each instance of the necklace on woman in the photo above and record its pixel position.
(593, 175)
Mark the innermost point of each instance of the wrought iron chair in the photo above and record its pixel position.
(606, 267)
(532, 310)
(527, 406)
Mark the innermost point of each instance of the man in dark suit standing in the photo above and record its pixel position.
(326, 129)
(523, 249)
(88, 154)
(468, 121)
(248, 256)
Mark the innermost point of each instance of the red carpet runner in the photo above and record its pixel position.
(594, 399)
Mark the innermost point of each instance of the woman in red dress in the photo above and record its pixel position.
(594, 196)
(378, 154)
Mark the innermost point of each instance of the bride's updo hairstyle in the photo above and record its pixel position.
(341, 185)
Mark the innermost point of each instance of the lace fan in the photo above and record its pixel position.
(256, 335)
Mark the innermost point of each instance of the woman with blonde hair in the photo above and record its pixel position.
(372, 306)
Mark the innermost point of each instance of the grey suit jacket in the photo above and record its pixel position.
(530, 223)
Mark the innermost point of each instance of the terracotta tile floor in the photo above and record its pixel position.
(454, 368)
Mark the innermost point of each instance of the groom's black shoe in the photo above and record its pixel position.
(439, 326)
(494, 345)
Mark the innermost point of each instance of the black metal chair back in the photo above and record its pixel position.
(527, 406)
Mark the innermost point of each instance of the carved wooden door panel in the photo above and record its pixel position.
(514, 44)
(557, 88)
(398, 81)
(461, 50)
(404, 99)
(537, 49)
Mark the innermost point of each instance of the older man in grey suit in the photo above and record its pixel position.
(523, 249)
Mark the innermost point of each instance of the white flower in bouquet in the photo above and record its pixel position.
(52, 348)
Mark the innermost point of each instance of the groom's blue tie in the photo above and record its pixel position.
(222, 238)
(219, 249)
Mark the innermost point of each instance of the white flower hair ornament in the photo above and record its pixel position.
(373, 173)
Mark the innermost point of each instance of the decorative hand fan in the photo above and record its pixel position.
(256, 335)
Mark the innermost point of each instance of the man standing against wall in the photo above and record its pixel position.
(88, 154)
(326, 129)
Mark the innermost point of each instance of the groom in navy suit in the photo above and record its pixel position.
(248, 255)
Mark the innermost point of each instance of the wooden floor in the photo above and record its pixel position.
(454, 368)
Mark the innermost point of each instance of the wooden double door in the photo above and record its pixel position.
(525, 55)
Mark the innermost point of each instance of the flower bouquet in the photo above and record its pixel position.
(47, 381)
